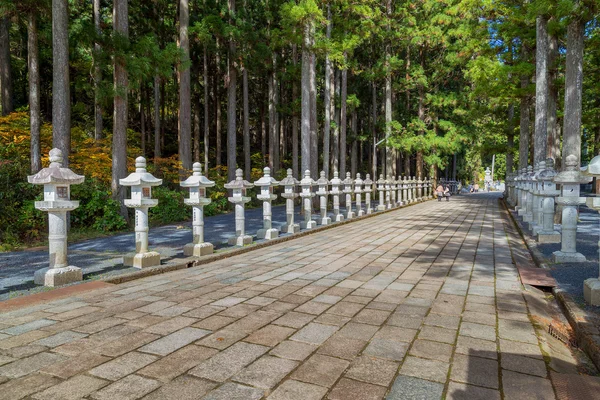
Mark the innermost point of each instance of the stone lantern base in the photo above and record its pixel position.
(548, 237)
(325, 221)
(57, 276)
(241, 240)
(381, 207)
(142, 260)
(591, 291)
(339, 218)
(294, 228)
(198, 250)
(267, 233)
(560, 257)
(308, 225)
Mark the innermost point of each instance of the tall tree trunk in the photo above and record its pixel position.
(343, 121)
(354, 149)
(421, 113)
(275, 125)
(34, 92)
(157, 117)
(231, 102)
(216, 80)
(375, 175)
(121, 83)
(98, 123)
(263, 127)
(295, 117)
(305, 115)
(185, 104)
(6, 95)
(206, 111)
(407, 164)
(510, 138)
(61, 98)
(573, 90)
(541, 90)
(247, 164)
(197, 111)
(390, 161)
(272, 121)
(328, 100)
(314, 136)
(142, 122)
(524, 122)
(553, 150)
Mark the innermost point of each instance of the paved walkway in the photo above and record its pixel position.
(420, 303)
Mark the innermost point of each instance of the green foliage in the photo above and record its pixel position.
(170, 206)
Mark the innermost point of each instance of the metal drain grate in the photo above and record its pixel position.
(575, 387)
(563, 333)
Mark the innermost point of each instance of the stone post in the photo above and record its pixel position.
(413, 185)
(381, 190)
(307, 183)
(399, 191)
(591, 286)
(238, 187)
(405, 197)
(322, 193)
(392, 192)
(570, 179)
(289, 194)
(197, 184)
(419, 189)
(358, 191)
(335, 193)
(368, 190)
(548, 192)
(528, 197)
(57, 201)
(536, 210)
(519, 182)
(348, 182)
(141, 183)
(388, 189)
(267, 183)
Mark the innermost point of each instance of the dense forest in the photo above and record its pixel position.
(426, 88)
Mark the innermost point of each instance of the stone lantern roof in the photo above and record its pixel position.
(266, 179)
(307, 180)
(289, 180)
(55, 173)
(238, 182)
(140, 177)
(336, 179)
(593, 168)
(197, 179)
(548, 173)
(322, 179)
(348, 180)
(572, 174)
(367, 181)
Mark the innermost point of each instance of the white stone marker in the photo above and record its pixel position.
(368, 189)
(570, 179)
(388, 196)
(413, 186)
(409, 190)
(393, 191)
(429, 188)
(591, 286)
(536, 208)
(358, 192)
(239, 198)
(57, 201)
(399, 191)
(322, 192)
(547, 234)
(519, 183)
(336, 182)
(405, 197)
(381, 192)
(348, 182)
(528, 214)
(289, 194)
(141, 200)
(419, 189)
(266, 183)
(197, 183)
(307, 194)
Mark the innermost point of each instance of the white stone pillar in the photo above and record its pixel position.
(358, 191)
(322, 192)
(368, 190)
(289, 194)
(348, 182)
(381, 190)
(266, 184)
(197, 184)
(335, 193)
(238, 197)
(388, 197)
(306, 183)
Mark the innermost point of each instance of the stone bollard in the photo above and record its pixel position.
(414, 188)
(57, 201)
(141, 200)
(393, 191)
(307, 183)
(381, 192)
(419, 189)
(570, 179)
(405, 199)
(266, 183)
(528, 214)
(591, 286)
(536, 208)
(368, 190)
(335, 193)
(546, 233)
(348, 182)
(322, 193)
(197, 183)
(429, 189)
(399, 191)
(358, 192)
(289, 194)
(519, 184)
(388, 196)
(238, 197)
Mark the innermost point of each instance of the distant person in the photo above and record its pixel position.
(439, 191)
(476, 187)
(447, 193)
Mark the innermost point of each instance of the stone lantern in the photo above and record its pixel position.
(420, 189)
(267, 183)
(307, 194)
(536, 207)
(358, 192)
(429, 189)
(405, 197)
(527, 211)
(57, 201)
(392, 180)
(335, 192)
(520, 194)
(570, 179)
(548, 191)
(239, 198)
(388, 196)
(380, 190)
(399, 191)
(368, 190)
(591, 286)
(289, 194)
(413, 185)
(197, 183)
(322, 192)
(141, 183)
(348, 182)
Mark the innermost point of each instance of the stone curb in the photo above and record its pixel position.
(587, 335)
(190, 262)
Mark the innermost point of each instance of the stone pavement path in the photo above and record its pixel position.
(420, 303)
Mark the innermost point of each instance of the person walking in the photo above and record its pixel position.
(447, 193)
(439, 191)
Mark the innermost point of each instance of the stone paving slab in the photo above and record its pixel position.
(423, 302)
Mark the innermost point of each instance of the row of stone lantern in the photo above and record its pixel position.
(57, 202)
(532, 191)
